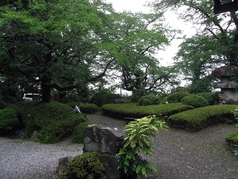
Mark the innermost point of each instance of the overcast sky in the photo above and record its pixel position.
(172, 20)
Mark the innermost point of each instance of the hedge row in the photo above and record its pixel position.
(88, 108)
(131, 110)
(199, 118)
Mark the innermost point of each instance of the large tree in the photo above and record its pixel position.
(215, 42)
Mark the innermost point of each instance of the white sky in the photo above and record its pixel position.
(138, 6)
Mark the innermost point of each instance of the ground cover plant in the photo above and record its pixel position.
(137, 141)
(199, 118)
(53, 121)
(132, 110)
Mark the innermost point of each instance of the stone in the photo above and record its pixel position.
(34, 135)
(63, 164)
(111, 164)
(102, 139)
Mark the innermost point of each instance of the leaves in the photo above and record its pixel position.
(138, 133)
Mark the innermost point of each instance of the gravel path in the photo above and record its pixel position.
(178, 154)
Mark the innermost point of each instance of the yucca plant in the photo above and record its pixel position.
(137, 141)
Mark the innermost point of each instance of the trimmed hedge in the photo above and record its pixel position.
(8, 120)
(131, 110)
(195, 101)
(232, 139)
(211, 97)
(199, 118)
(88, 108)
(177, 97)
(149, 100)
(53, 120)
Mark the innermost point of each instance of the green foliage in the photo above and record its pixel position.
(199, 118)
(137, 94)
(195, 101)
(79, 130)
(104, 97)
(2, 104)
(88, 108)
(177, 96)
(232, 138)
(136, 141)
(134, 111)
(8, 119)
(85, 166)
(211, 97)
(52, 120)
(149, 100)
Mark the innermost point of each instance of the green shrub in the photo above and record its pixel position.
(79, 130)
(136, 141)
(199, 118)
(88, 108)
(131, 110)
(52, 120)
(177, 97)
(211, 97)
(149, 100)
(85, 166)
(2, 104)
(8, 119)
(104, 97)
(137, 94)
(195, 101)
(232, 140)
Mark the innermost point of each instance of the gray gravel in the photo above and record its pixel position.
(178, 154)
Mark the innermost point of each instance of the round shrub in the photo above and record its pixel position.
(177, 97)
(85, 166)
(195, 101)
(211, 97)
(149, 100)
(8, 119)
(79, 130)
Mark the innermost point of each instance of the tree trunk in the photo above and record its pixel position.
(46, 90)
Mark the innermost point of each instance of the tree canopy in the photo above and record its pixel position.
(66, 45)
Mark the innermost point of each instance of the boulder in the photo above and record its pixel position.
(63, 164)
(102, 139)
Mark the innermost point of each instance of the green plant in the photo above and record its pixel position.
(52, 120)
(85, 166)
(8, 119)
(149, 100)
(232, 138)
(79, 130)
(177, 96)
(137, 141)
(195, 101)
(211, 97)
(88, 108)
(199, 118)
(2, 104)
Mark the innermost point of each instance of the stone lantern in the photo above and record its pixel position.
(229, 93)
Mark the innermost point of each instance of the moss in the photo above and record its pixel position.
(85, 166)
(132, 110)
(199, 118)
(8, 119)
(52, 120)
(79, 130)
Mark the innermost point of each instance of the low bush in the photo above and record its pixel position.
(79, 130)
(88, 108)
(85, 166)
(199, 118)
(211, 97)
(195, 101)
(177, 97)
(53, 120)
(131, 110)
(8, 120)
(232, 140)
(149, 100)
